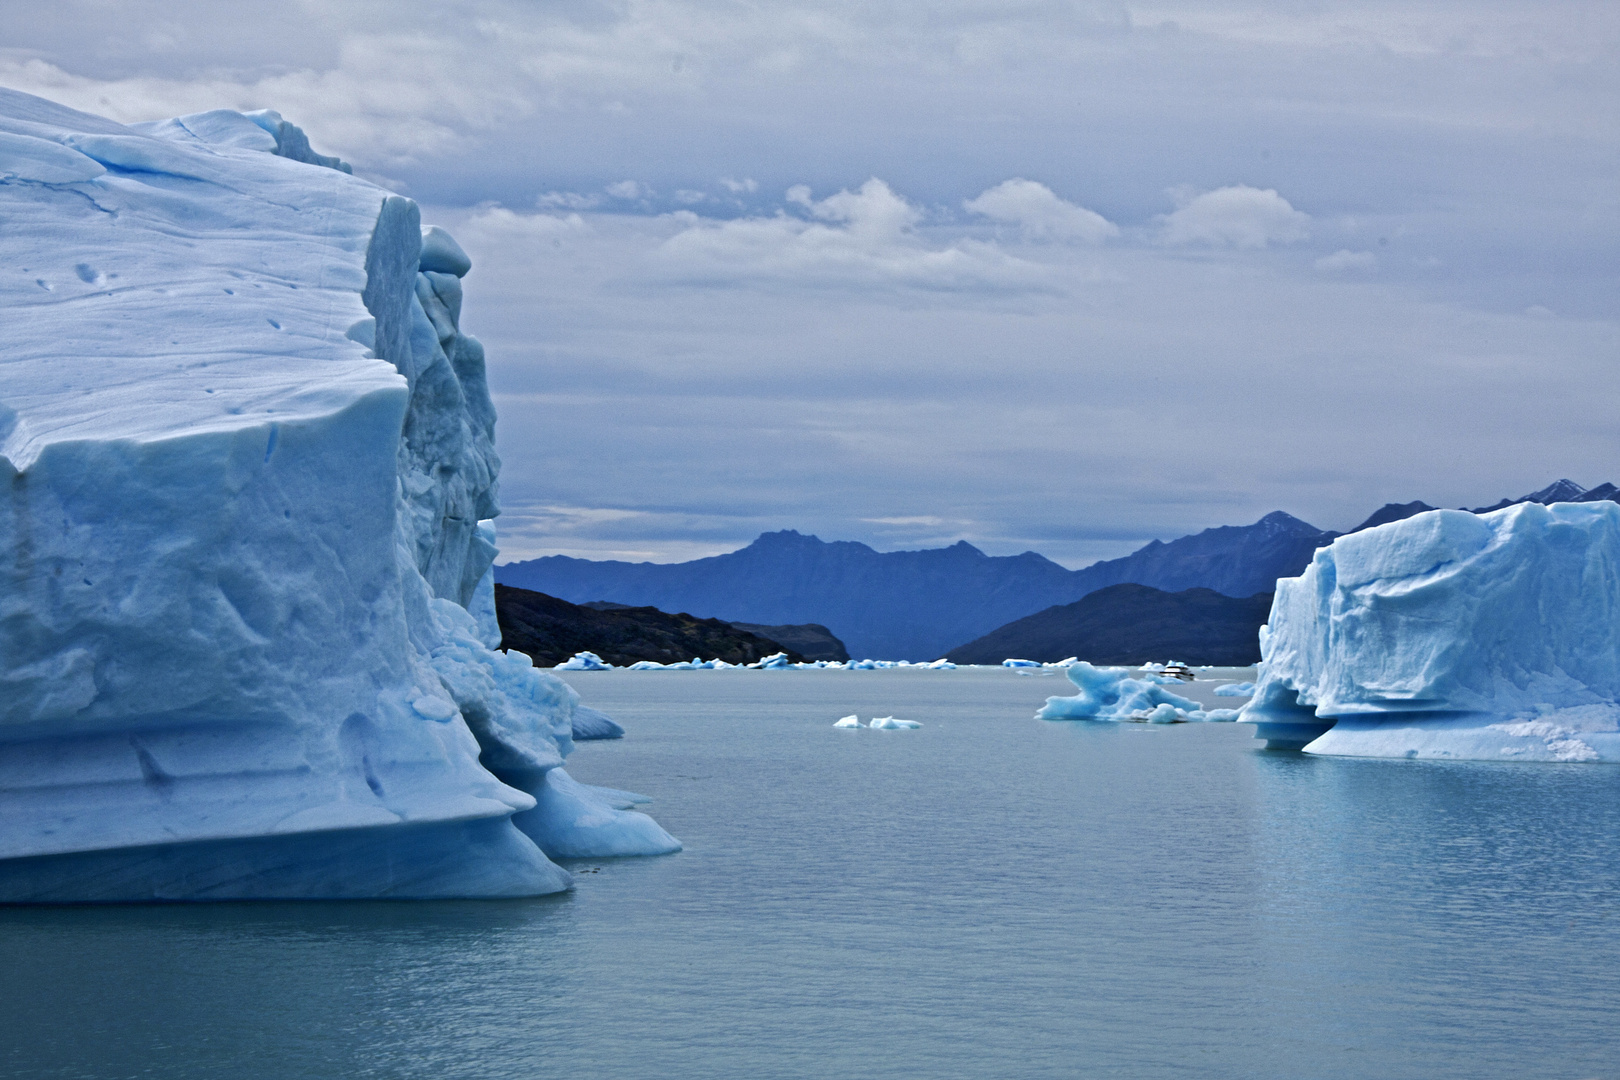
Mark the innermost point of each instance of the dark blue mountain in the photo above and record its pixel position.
(916, 604)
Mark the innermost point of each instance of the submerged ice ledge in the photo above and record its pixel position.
(1451, 635)
(247, 644)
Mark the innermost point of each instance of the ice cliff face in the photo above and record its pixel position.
(246, 451)
(1451, 635)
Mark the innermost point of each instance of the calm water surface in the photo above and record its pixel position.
(990, 896)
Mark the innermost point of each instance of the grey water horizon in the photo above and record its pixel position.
(987, 896)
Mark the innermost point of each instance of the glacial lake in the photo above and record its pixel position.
(989, 896)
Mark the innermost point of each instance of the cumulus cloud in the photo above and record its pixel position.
(1040, 214)
(1344, 259)
(860, 238)
(1237, 216)
(628, 189)
(495, 221)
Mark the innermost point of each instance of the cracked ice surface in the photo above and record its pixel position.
(245, 644)
(1450, 635)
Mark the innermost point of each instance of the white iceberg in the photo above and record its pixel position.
(848, 723)
(889, 723)
(1235, 689)
(584, 661)
(1111, 694)
(1014, 662)
(1451, 635)
(245, 645)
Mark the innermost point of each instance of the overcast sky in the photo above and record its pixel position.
(1047, 275)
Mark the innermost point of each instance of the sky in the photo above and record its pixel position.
(1054, 276)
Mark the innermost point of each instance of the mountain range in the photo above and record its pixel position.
(1132, 624)
(918, 605)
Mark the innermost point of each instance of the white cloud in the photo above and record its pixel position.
(1236, 216)
(494, 221)
(738, 187)
(857, 238)
(567, 200)
(1344, 259)
(1040, 214)
(628, 189)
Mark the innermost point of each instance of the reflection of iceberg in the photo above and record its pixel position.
(1450, 635)
(246, 645)
(1111, 694)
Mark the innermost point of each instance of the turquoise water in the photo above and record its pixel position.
(990, 896)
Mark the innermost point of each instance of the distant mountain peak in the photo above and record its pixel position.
(1279, 519)
(1557, 491)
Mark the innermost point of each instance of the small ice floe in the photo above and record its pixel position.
(1235, 689)
(941, 664)
(773, 662)
(889, 723)
(1067, 662)
(1014, 662)
(584, 661)
(849, 723)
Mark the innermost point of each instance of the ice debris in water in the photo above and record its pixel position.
(1452, 635)
(879, 723)
(1111, 694)
(1013, 662)
(1235, 689)
(889, 723)
(584, 661)
(252, 650)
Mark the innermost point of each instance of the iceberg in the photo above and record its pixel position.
(1451, 635)
(1111, 694)
(584, 661)
(849, 723)
(1235, 689)
(246, 612)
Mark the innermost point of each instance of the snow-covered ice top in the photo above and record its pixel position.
(1453, 635)
(251, 464)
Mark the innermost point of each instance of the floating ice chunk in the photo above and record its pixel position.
(1111, 694)
(1451, 635)
(1068, 662)
(1235, 689)
(589, 724)
(889, 723)
(941, 665)
(849, 722)
(586, 661)
(1012, 662)
(574, 820)
(645, 665)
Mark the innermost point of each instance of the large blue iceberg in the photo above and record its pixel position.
(247, 637)
(1451, 635)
